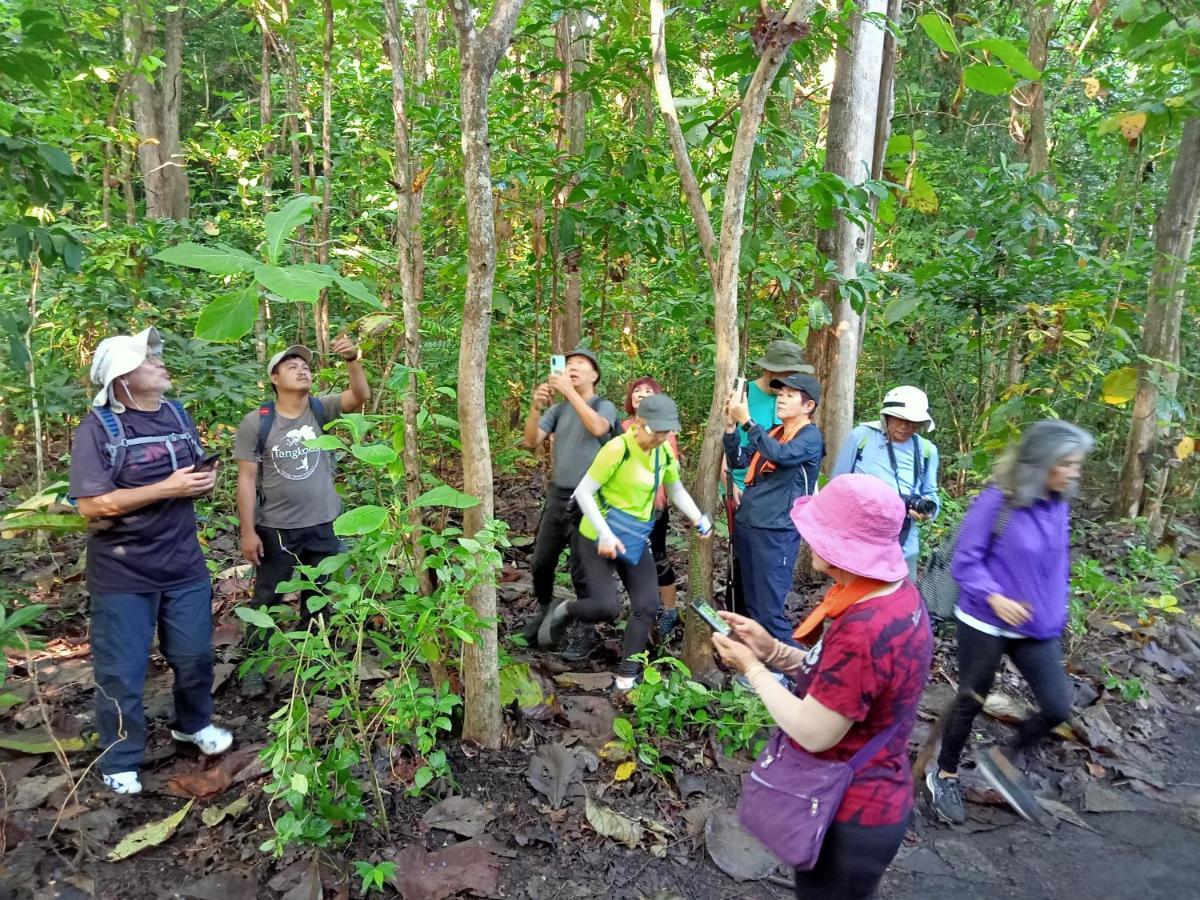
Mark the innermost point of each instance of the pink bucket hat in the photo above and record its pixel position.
(854, 524)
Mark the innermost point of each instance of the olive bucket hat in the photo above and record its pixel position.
(784, 356)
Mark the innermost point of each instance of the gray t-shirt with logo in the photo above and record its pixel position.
(297, 481)
(574, 446)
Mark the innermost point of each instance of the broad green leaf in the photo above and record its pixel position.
(1007, 53)
(62, 522)
(215, 815)
(377, 455)
(939, 30)
(994, 80)
(518, 683)
(228, 318)
(56, 158)
(1120, 386)
(444, 495)
(260, 618)
(325, 442)
(36, 741)
(207, 259)
(818, 314)
(149, 835)
(356, 290)
(293, 282)
(281, 223)
(360, 520)
(921, 197)
(900, 307)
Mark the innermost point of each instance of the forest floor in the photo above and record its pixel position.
(1123, 786)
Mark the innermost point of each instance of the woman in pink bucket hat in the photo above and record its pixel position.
(862, 675)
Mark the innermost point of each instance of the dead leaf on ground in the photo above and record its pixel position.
(149, 835)
(1065, 813)
(460, 815)
(34, 790)
(213, 816)
(221, 673)
(221, 886)
(589, 718)
(610, 823)
(309, 887)
(737, 852)
(38, 740)
(435, 876)
(1097, 729)
(584, 681)
(233, 768)
(1005, 708)
(557, 771)
(1168, 662)
(1099, 799)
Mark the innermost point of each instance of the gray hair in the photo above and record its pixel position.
(1022, 471)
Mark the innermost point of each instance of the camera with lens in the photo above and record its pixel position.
(923, 506)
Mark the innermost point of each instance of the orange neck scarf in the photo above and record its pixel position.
(836, 601)
(759, 465)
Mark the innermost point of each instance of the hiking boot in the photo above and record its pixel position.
(1005, 778)
(582, 641)
(947, 799)
(667, 622)
(210, 739)
(628, 675)
(123, 782)
(252, 685)
(530, 630)
(554, 624)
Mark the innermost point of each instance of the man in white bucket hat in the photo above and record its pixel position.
(891, 449)
(134, 475)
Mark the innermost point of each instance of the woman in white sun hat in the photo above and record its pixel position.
(894, 450)
(134, 475)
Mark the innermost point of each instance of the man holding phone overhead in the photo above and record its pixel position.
(285, 495)
(581, 423)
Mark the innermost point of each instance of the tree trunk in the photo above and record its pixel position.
(479, 53)
(853, 112)
(571, 48)
(324, 233)
(1039, 17)
(1174, 230)
(410, 264)
(156, 112)
(697, 650)
(263, 319)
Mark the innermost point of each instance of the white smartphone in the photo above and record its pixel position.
(739, 387)
(558, 363)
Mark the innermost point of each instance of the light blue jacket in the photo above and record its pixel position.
(874, 460)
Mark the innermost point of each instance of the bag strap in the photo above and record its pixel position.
(266, 420)
(116, 437)
(859, 760)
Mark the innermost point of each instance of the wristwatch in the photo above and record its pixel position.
(747, 425)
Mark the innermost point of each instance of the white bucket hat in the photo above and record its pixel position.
(120, 355)
(908, 403)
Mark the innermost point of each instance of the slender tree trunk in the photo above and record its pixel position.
(156, 111)
(1039, 18)
(479, 54)
(571, 48)
(410, 265)
(1158, 379)
(262, 322)
(853, 111)
(324, 233)
(697, 650)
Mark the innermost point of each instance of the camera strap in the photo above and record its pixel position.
(917, 469)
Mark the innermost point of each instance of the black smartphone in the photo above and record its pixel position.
(208, 463)
(710, 617)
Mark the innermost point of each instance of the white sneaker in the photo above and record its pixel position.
(210, 739)
(123, 783)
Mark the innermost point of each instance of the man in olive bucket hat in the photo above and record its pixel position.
(783, 358)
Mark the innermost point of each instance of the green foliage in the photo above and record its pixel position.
(12, 631)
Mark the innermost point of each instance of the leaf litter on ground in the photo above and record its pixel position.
(149, 835)
(557, 771)
(461, 815)
(434, 876)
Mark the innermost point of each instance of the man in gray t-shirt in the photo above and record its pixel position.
(285, 494)
(581, 423)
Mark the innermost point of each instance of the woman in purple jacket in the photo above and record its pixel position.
(1013, 568)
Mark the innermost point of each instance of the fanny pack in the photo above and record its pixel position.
(790, 798)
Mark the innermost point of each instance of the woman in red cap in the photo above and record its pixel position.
(871, 646)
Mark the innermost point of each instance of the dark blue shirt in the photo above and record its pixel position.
(767, 503)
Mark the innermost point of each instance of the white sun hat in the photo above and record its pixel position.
(120, 355)
(908, 403)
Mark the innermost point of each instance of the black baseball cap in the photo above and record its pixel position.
(798, 381)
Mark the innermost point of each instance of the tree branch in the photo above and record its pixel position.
(209, 16)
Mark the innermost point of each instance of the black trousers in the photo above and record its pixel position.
(852, 861)
(979, 658)
(603, 604)
(556, 530)
(283, 550)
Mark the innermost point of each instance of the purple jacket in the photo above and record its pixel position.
(1030, 562)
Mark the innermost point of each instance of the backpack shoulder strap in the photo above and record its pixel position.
(186, 425)
(862, 445)
(318, 411)
(116, 436)
(266, 418)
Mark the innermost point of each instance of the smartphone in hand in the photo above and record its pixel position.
(739, 388)
(710, 617)
(558, 364)
(208, 463)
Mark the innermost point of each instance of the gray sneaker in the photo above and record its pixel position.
(947, 797)
(554, 625)
(1007, 779)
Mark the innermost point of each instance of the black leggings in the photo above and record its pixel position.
(658, 547)
(979, 658)
(602, 603)
(853, 859)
